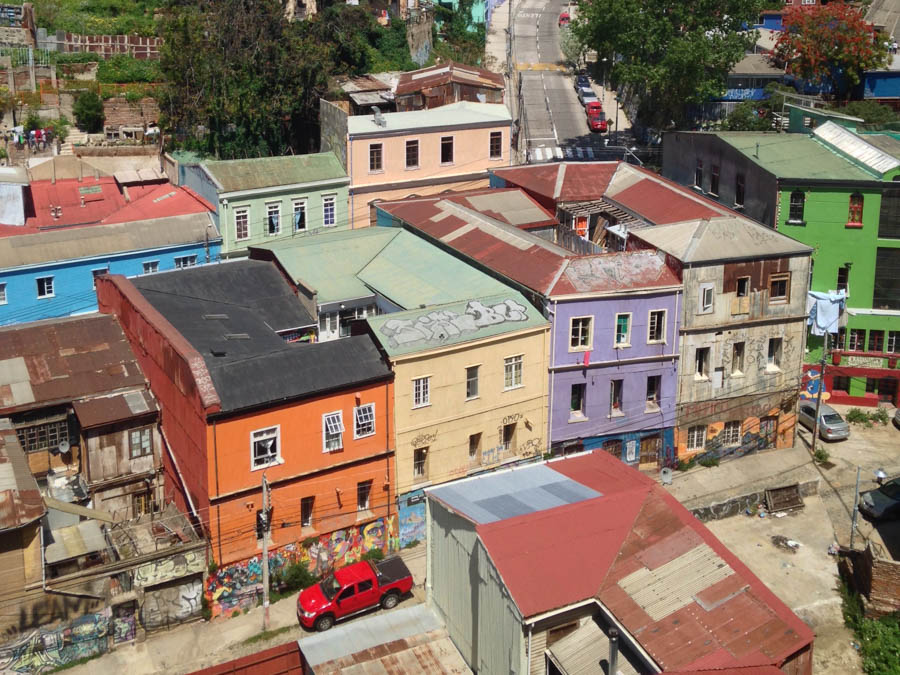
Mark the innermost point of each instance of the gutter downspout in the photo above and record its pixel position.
(187, 494)
(528, 656)
(218, 505)
(387, 456)
(553, 327)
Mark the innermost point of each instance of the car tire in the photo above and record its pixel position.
(389, 601)
(324, 623)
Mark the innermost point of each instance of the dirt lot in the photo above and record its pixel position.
(805, 579)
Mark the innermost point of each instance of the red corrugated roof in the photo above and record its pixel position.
(101, 198)
(539, 179)
(661, 204)
(163, 201)
(564, 181)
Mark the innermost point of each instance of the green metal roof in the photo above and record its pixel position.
(421, 330)
(794, 156)
(251, 174)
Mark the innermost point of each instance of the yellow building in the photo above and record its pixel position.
(470, 391)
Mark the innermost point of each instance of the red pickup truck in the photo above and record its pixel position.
(353, 589)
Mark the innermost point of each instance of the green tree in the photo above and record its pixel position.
(668, 53)
(88, 111)
(871, 111)
(570, 45)
(461, 40)
(746, 117)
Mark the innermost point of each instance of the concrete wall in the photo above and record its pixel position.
(333, 130)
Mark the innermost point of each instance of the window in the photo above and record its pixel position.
(856, 209)
(241, 224)
(512, 372)
(580, 329)
(742, 287)
(698, 174)
(623, 330)
(375, 164)
(496, 145)
(654, 382)
(420, 463)
(893, 341)
(45, 287)
(3, 292)
(707, 298)
(779, 288)
(508, 439)
(701, 363)
(714, 181)
(307, 504)
(328, 210)
(273, 218)
(773, 360)
(871, 385)
(876, 340)
(421, 392)
(857, 339)
(151, 266)
(43, 436)
(264, 447)
(840, 383)
(731, 434)
(364, 420)
(576, 400)
(299, 215)
(363, 492)
(348, 592)
(474, 446)
(696, 437)
(798, 202)
(364, 586)
(843, 279)
(446, 149)
(140, 503)
(472, 382)
(98, 273)
(615, 397)
(889, 218)
(841, 342)
(739, 189)
(185, 261)
(332, 431)
(412, 154)
(886, 294)
(140, 442)
(737, 358)
(656, 330)
(613, 447)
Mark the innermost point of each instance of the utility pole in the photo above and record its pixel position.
(265, 551)
(855, 509)
(815, 437)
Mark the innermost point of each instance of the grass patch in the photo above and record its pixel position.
(75, 663)
(879, 639)
(266, 635)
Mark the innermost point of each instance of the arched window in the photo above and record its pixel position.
(856, 208)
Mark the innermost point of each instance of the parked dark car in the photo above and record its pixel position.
(882, 503)
(582, 80)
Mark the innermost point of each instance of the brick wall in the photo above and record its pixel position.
(119, 112)
(108, 45)
(876, 577)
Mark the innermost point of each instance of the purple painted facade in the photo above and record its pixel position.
(634, 419)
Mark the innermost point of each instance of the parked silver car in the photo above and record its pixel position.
(586, 95)
(897, 418)
(832, 426)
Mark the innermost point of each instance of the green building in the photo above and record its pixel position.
(837, 191)
(271, 198)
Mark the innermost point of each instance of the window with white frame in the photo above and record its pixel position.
(363, 495)
(420, 463)
(893, 341)
(696, 437)
(140, 442)
(656, 326)
(332, 431)
(512, 372)
(731, 434)
(654, 383)
(307, 504)
(264, 447)
(580, 333)
(99, 272)
(421, 392)
(242, 223)
(472, 382)
(328, 216)
(623, 330)
(707, 298)
(701, 363)
(2, 293)
(45, 287)
(43, 436)
(364, 420)
(376, 164)
(273, 218)
(184, 261)
(299, 215)
(151, 266)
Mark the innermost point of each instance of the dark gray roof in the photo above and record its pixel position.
(230, 313)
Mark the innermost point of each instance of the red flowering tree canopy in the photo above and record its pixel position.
(830, 43)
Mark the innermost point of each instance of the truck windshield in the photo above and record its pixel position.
(330, 586)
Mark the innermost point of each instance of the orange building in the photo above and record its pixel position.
(244, 394)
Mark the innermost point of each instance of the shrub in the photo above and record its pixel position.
(60, 127)
(235, 613)
(685, 465)
(33, 121)
(880, 415)
(821, 455)
(205, 610)
(297, 577)
(375, 554)
(857, 416)
(709, 462)
(213, 567)
(879, 639)
(88, 110)
(122, 68)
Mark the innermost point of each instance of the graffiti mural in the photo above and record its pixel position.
(809, 391)
(160, 571)
(44, 649)
(239, 585)
(171, 604)
(437, 327)
(412, 517)
(123, 623)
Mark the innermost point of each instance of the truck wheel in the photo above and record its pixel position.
(390, 601)
(323, 623)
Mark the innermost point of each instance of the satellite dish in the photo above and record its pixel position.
(665, 474)
(62, 448)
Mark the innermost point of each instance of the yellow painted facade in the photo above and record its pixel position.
(443, 428)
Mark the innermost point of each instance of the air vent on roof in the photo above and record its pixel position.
(210, 317)
(237, 336)
(217, 351)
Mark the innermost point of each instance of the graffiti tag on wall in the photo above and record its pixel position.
(159, 571)
(43, 649)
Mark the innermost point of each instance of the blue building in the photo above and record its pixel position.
(51, 274)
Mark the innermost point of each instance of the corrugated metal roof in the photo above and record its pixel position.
(431, 653)
(611, 272)
(250, 174)
(452, 115)
(74, 541)
(885, 142)
(562, 181)
(755, 64)
(98, 411)
(20, 499)
(856, 148)
(86, 242)
(581, 652)
(433, 76)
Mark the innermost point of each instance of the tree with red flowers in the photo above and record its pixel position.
(830, 44)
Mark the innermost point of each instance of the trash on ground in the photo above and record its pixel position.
(787, 544)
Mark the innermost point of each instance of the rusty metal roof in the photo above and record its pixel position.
(103, 410)
(63, 360)
(444, 73)
(20, 499)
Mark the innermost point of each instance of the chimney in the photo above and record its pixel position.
(613, 652)
(379, 119)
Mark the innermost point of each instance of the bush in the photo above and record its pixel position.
(213, 567)
(857, 416)
(375, 554)
(709, 462)
(205, 610)
(60, 127)
(821, 455)
(235, 613)
(880, 415)
(88, 110)
(33, 121)
(122, 68)
(297, 577)
(684, 466)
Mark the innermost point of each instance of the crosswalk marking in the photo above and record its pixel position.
(545, 154)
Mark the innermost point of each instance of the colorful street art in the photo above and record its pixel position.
(171, 604)
(412, 517)
(239, 585)
(123, 623)
(809, 391)
(174, 567)
(44, 649)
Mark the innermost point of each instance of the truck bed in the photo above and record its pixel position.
(391, 570)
